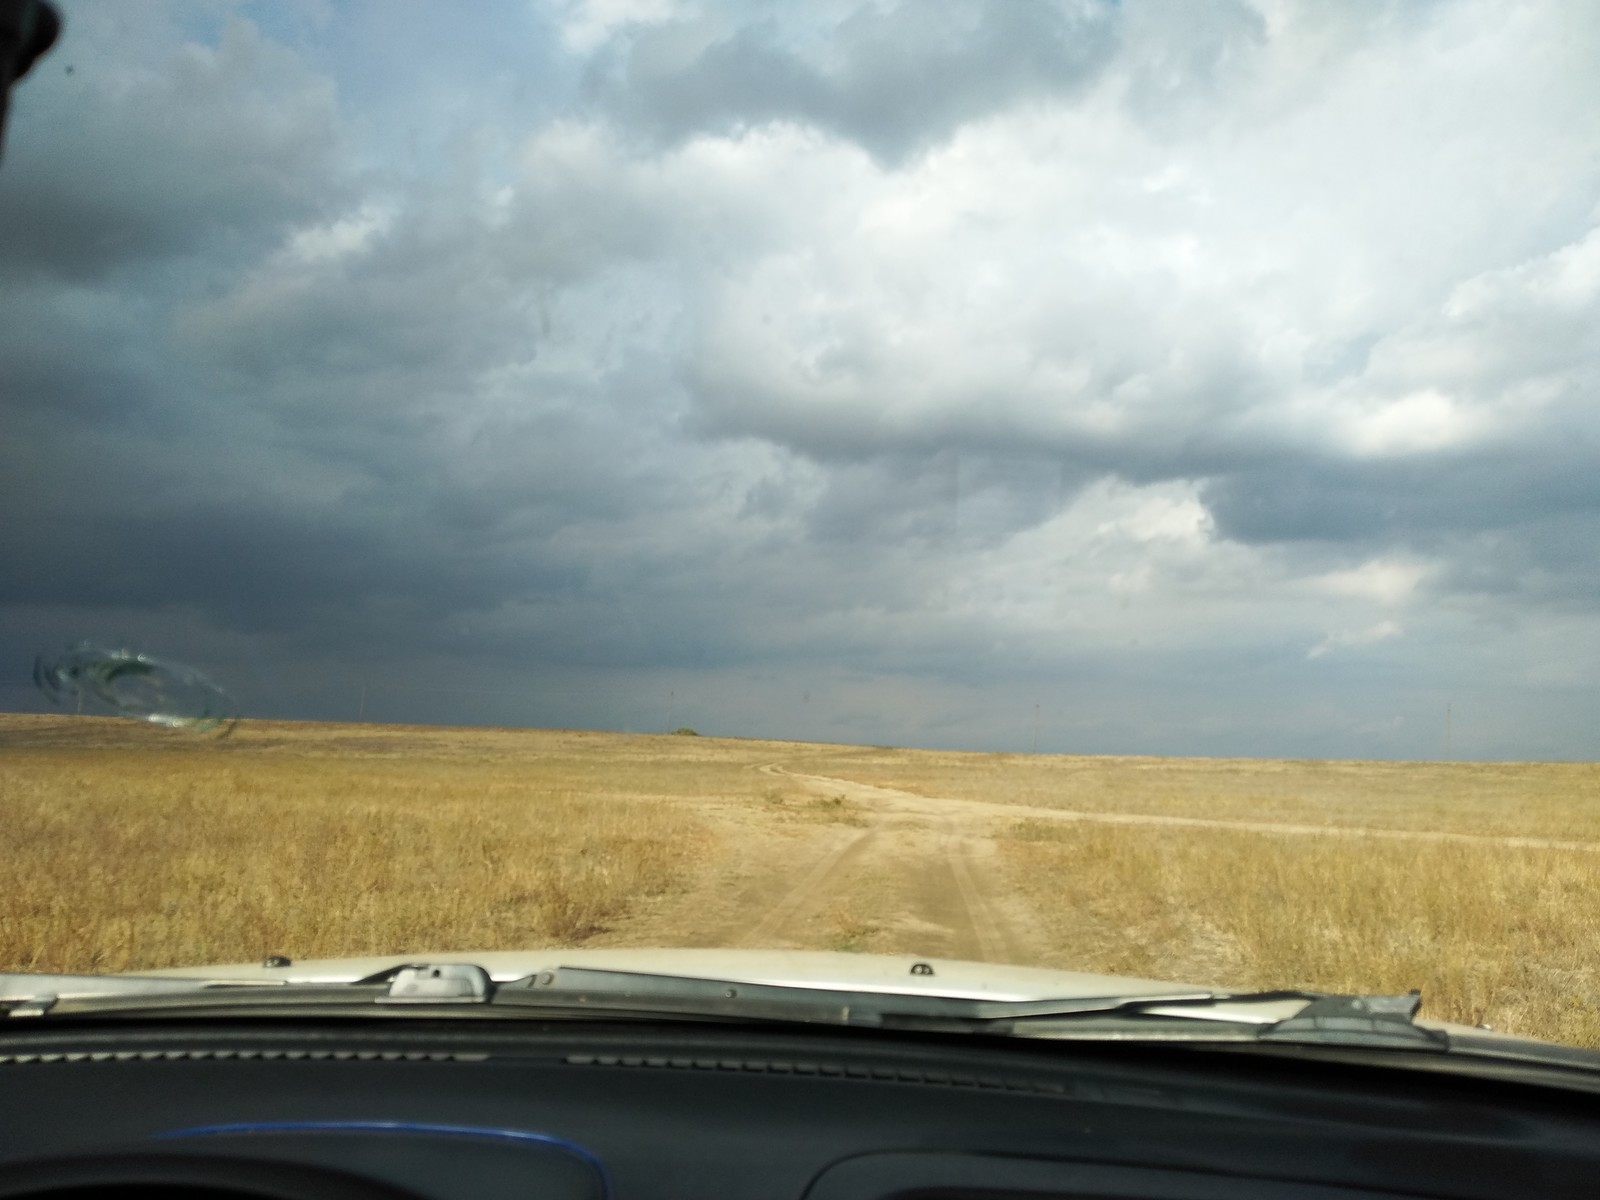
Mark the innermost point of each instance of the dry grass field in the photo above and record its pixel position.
(127, 846)
(1550, 800)
(1505, 937)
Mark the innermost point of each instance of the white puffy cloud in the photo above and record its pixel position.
(587, 25)
(1388, 581)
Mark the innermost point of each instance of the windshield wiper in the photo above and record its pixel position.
(1322, 1019)
(576, 988)
(26, 995)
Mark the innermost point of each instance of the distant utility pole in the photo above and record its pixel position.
(361, 713)
(1447, 731)
(1036, 729)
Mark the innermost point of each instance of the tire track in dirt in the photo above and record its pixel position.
(927, 854)
(809, 894)
(988, 934)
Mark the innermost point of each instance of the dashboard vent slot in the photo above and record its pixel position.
(236, 1055)
(824, 1069)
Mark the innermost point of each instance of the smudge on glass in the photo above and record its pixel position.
(93, 678)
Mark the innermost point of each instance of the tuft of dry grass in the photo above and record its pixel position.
(1503, 936)
(839, 809)
(785, 802)
(846, 929)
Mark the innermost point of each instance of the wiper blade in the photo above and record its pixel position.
(631, 991)
(1324, 1019)
(27, 995)
(573, 988)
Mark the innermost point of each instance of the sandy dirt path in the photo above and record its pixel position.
(932, 858)
(910, 874)
(889, 872)
(911, 877)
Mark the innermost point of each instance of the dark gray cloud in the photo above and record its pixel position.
(895, 79)
(128, 159)
(1408, 502)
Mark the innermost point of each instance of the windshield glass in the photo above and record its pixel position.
(1104, 486)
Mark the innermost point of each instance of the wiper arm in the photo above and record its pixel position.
(27, 995)
(1359, 1021)
(1326, 1019)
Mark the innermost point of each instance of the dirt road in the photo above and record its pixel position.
(832, 864)
(898, 872)
(928, 854)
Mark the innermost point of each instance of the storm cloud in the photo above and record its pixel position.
(1208, 377)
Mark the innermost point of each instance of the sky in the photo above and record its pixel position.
(1161, 377)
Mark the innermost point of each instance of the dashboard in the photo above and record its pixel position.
(485, 1109)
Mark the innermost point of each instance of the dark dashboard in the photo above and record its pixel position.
(559, 1110)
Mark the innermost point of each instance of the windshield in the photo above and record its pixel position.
(1076, 484)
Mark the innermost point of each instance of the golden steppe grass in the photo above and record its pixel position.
(1504, 936)
(123, 846)
(127, 847)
